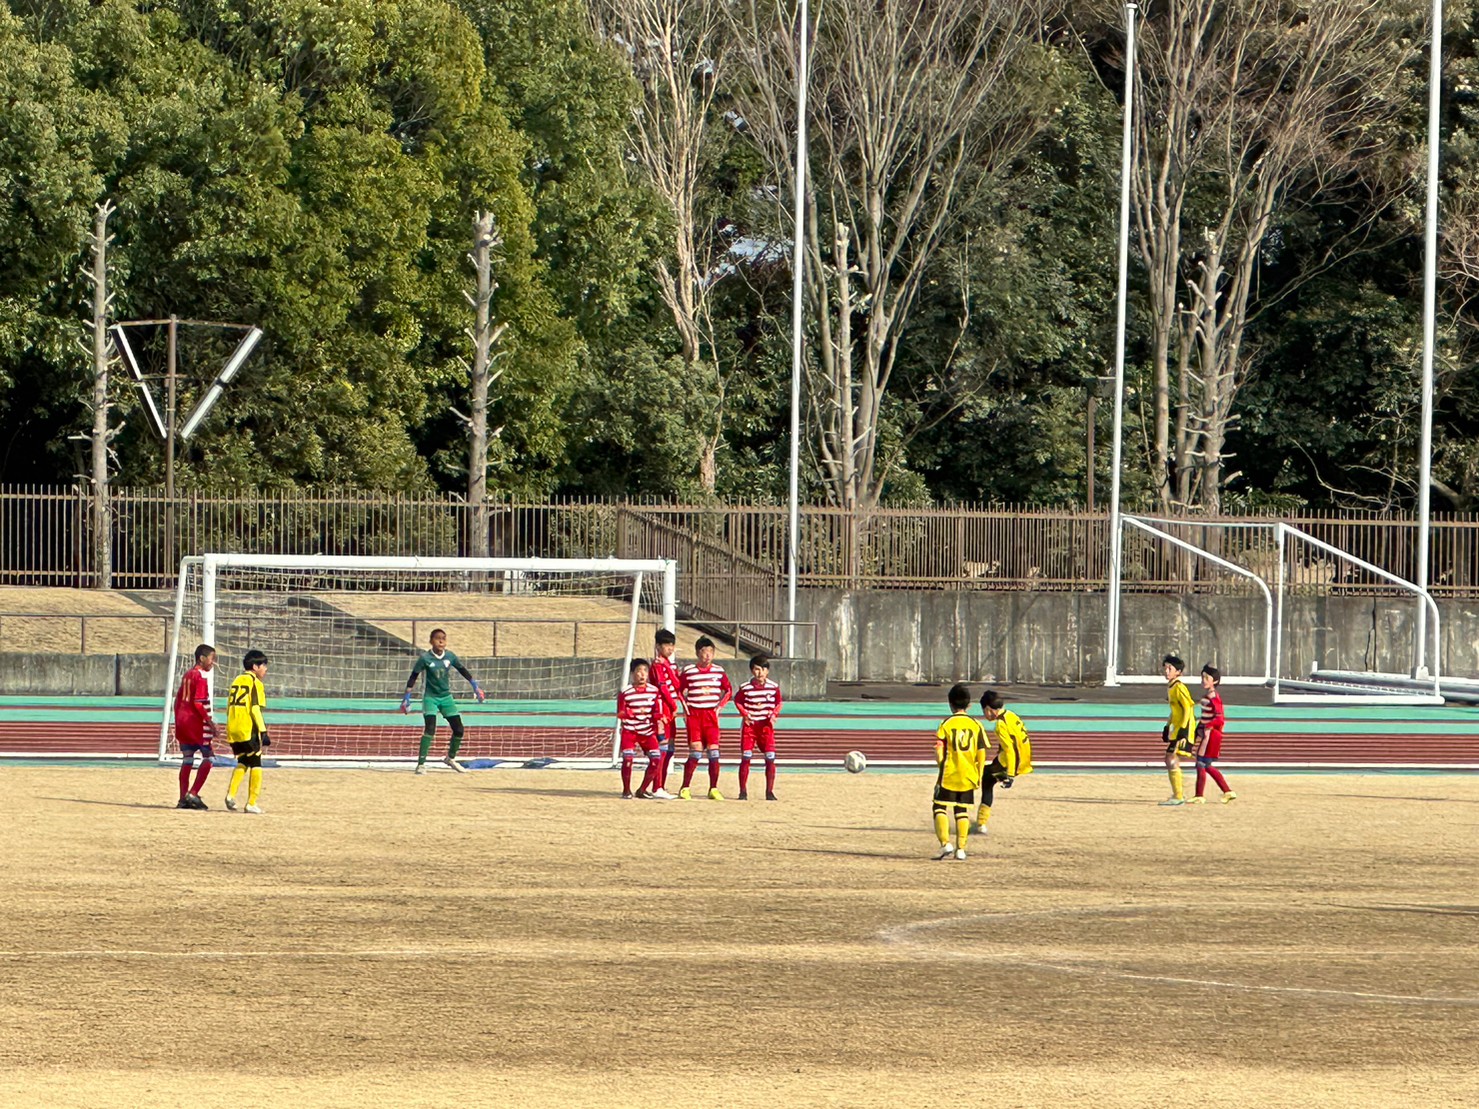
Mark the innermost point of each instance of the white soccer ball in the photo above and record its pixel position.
(855, 762)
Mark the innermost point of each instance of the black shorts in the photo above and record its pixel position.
(248, 752)
(945, 796)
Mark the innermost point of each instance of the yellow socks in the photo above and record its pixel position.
(962, 829)
(942, 828)
(1175, 776)
(254, 785)
(983, 814)
(236, 777)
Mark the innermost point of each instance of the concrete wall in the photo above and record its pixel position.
(1059, 637)
(145, 676)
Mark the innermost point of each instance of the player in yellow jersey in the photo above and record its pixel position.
(960, 751)
(1013, 753)
(246, 729)
(1177, 734)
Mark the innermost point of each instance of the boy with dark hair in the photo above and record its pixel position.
(1013, 753)
(437, 665)
(664, 676)
(1177, 734)
(960, 752)
(759, 703)
(704, 689)
(640, 711)
(194, 728)
(246, 729)
(1209, 737)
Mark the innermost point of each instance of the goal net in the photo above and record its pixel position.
(1269, 604)
(548, 640)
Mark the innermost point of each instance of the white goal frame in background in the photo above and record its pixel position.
(1421, 685)
(210, 566)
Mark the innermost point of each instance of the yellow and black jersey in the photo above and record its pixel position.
(244, 705)
(1013, 747)
(1183, 712)
(960, 751)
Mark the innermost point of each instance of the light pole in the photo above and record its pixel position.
(1430, 312)
(1112, 646)
(798, 267)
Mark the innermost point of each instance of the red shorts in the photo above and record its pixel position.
(703, 727)
(758, 735)
(1213, 749)
(667, 731)
(632, 741)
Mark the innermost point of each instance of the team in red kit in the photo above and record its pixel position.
(659, 693)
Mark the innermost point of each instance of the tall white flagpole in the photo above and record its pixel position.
(798, 268)
(1430, 313)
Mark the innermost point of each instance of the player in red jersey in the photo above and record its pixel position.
(665, 676)
(704, 689)
(759, 703)
(1209, 737)
(639, 708)
(194, 728)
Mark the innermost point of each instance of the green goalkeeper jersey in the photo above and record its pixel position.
(438, 670)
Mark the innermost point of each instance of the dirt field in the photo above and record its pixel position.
(525, 938)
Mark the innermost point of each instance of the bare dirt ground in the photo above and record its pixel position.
(528, 939)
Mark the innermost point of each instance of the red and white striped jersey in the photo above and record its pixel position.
(759, 700)
(665, 676)
(705, 687)
(638, 709)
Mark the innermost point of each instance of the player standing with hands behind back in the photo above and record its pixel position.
(246, 729)
(437, 664)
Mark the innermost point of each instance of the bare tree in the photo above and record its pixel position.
(679, 52)
(102, 434)
(484, 335)
(915, 105)
(1245, 110)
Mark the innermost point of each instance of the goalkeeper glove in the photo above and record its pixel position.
(265, 741)
(1166, 734)
(477, 691)
(406, 702)
(1006, 783)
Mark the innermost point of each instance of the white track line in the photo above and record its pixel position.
(908, 935)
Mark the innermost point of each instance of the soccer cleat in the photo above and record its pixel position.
(960, 854)
(453, 764)
(1172, 801)
(946, 852)
(254, 809)
(420, 768)
(715, 795)
(627, 796)
(685, 794)
(184, 804)
(744, 795)
(661, 794)
(1197, 800)
(641, 795)
(770, 795)
(231, 802)
(196, 802)
(1229, 796)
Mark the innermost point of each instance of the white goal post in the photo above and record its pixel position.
(550, 641)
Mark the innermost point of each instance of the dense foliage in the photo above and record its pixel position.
(313, 168)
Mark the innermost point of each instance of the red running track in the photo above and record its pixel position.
(809, 745)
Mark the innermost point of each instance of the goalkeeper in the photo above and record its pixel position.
(1013, 753)
(437, 664)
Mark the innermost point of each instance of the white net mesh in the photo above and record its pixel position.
(549, 646)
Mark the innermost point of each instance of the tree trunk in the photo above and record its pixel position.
(484, 335)
(101, 509)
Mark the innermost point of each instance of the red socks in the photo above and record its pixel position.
(688, 768)
(769, 775)
(626, 775)
(713, 773)
(744, 774)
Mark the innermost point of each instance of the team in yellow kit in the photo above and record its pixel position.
(247, 730)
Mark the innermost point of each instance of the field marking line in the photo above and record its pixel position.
(910, 936)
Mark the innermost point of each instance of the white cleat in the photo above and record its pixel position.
(231, 803)
(254, 810)
(661, 795)
(420, 768)
(946, 852)
(453, 764)
(960, 854)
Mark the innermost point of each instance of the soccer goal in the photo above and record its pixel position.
(549, 640)
(1268, 604)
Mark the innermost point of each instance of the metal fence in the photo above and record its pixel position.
(732, 557)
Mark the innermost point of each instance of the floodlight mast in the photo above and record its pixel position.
(1116, 542)
(213, 394)
(1430, 313)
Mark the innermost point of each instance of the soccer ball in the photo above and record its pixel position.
(855, 762)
